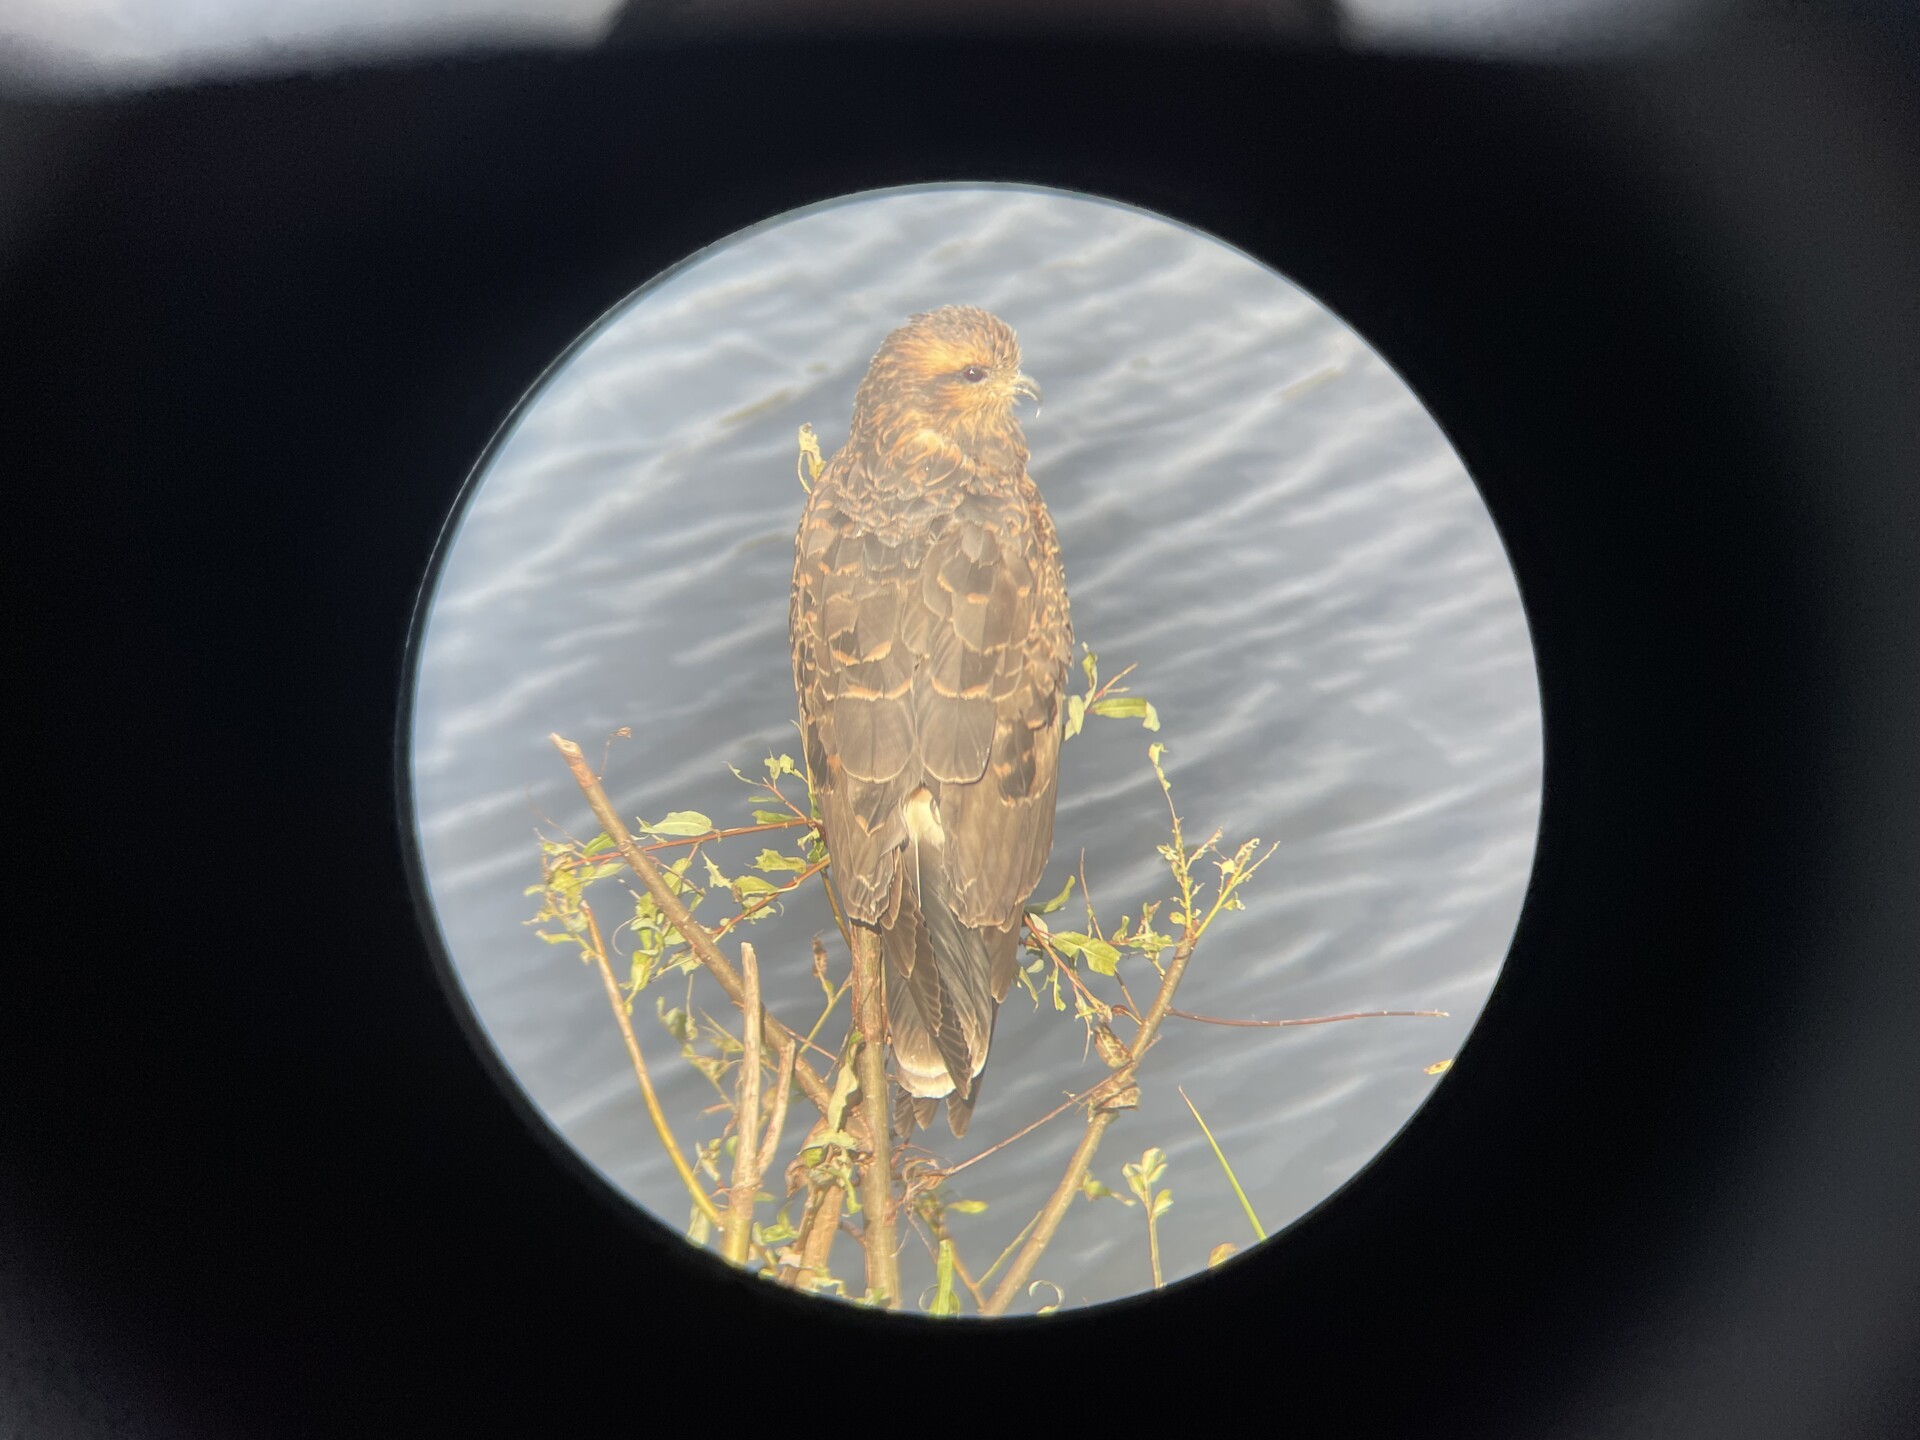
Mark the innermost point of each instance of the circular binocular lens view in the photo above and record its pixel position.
(976, 751)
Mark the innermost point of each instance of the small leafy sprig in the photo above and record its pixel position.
(1142, 1176)
(1112, 699)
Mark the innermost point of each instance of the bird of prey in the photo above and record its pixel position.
(931, 643)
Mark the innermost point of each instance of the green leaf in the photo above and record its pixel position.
(1076, 715)
(966, 1207)
(750, 887)
(1128, 707)
(1059, 900)
(1161, 1204)
(1094, 1190)
(945, 1301)
(1143, 1174)
(774, 817)
(783, 765)
(680, 823)
(678, 1023)
(599, 843)
(1101, 956)
(714, 873)
(1090, 663)
(773, 860)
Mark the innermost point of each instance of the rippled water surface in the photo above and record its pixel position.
(1253, 508)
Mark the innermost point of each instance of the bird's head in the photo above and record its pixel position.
(955, 370)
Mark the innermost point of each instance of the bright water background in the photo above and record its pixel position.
(1252, 506)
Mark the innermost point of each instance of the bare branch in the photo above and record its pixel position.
(1055, 1209)
(876, 1188)
(1308, 1020)
(737, 1233)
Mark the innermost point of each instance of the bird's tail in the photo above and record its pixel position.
(945, 982)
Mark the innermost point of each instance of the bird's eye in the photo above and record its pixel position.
(974, 374)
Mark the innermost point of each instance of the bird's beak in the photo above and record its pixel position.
(1024, 385)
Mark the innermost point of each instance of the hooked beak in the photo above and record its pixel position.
(1024, 385)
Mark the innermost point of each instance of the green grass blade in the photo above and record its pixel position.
(1259, 1230)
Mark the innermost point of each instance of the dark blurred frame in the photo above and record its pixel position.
(256, 1176)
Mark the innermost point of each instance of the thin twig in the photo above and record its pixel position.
(1001, 1259)
(960, 1269)
(676, 911)
(708, 837)
(1313, 1019)
(783, 1069)
(1104, 1083)
(726, 834)
(748, 911)
(1153, 1240)
(1086, 895)
(1054, 1211)
(659, 1116)
(1107, 689)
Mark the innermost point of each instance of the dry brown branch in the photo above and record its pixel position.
(783, 1071)
(1308, 1020)
(737, 1232)
(876, 1187)
(1055, 1209)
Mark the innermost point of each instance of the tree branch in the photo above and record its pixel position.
(876, 1183)
(1307, 1020)
(1055, 1210)
(677, 914)
(737, 1233)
